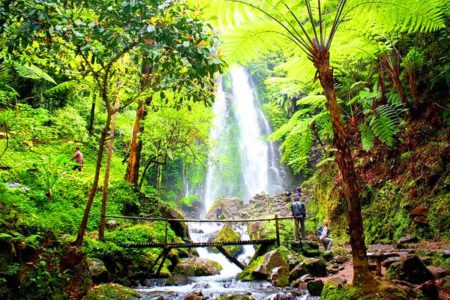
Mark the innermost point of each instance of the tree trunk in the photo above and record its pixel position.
(92, 118)
(87, 210)
(395, 77)
(350, 180)
(132, 174)
(101, 229)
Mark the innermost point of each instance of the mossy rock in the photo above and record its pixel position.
(316, 266)
(197, 267)
(247, 274)
(180, 228)
(111, 291)
(272, 260)
(227, 234)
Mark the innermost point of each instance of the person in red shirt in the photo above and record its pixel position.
(78, 156)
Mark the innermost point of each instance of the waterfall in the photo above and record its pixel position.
(242, 161)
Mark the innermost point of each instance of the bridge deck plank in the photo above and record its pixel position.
(195, 245)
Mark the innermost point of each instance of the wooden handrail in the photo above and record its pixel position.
(199, 220)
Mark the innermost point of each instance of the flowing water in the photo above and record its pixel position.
(242, 163)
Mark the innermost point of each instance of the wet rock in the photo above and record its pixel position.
(97, 269)
(112, 224)
(387, 262)
(405, 240)
(307, 278)
(201, 285)
(280, 276)
(197, 267)
(316, 267)
(282, 296)
(315, 287)
(429, 290)
(195, 295)
(246, 296)
(410, 269)
(272, 260)
(298, 271)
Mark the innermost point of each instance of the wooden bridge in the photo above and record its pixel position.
(168, 246)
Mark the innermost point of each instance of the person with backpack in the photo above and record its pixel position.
(323, 234)
(299, 213)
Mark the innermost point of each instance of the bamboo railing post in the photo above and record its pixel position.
(277, 229)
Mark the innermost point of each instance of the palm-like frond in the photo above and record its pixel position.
(33, 72)
(398, 15)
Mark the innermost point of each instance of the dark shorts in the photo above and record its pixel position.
(77, 167)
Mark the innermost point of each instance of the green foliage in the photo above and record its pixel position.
(298, 134)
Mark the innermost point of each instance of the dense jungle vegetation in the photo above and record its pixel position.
(357, 93)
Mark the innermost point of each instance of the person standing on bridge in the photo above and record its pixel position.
(299, 213)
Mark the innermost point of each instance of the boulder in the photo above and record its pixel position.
(248, 273)
(280, 276)
(231, 208)
(197, 267)
(179, 280)
(298, 271)
(311, 249)
(272, 259)
(111, 291)
(97, 270)
(316, 267)
(429, 290)
(387, 262)
(180, 228)
(410, 269)
(227, 234)
(315, 287)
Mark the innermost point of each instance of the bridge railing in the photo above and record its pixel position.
(277, 220)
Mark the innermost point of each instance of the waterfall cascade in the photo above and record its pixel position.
(239, 134)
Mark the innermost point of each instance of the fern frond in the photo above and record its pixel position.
(33, 72)
(385, 124)
(315, 101)
(367, 137)
(399, 15)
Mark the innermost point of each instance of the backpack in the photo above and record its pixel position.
(298, 209)
(319, 231)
